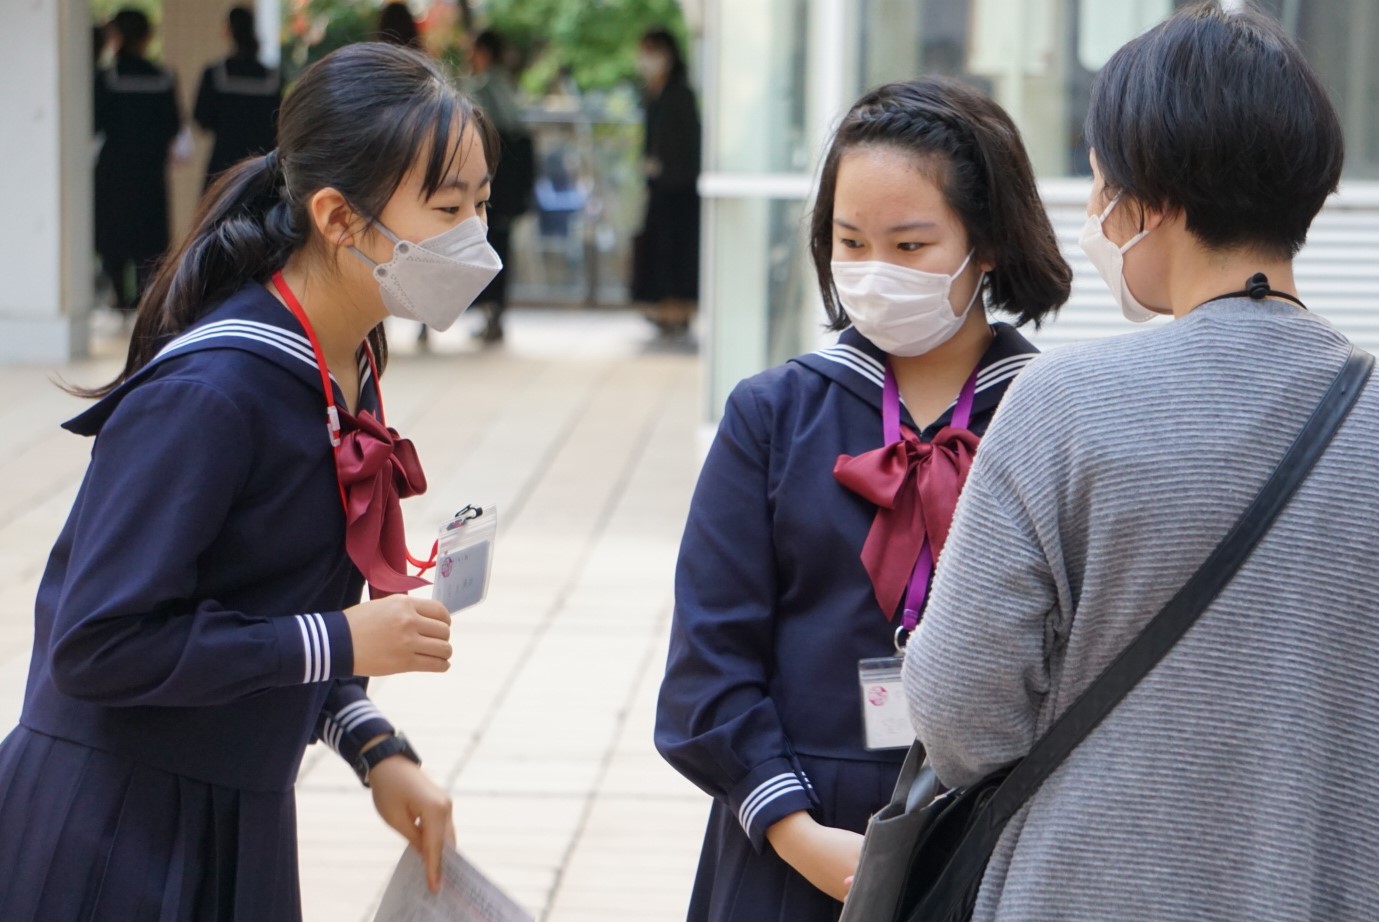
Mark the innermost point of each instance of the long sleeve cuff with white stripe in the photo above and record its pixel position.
(315, 647)
(356, 723)
(770, 792)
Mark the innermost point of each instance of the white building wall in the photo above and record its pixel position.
(45, 179)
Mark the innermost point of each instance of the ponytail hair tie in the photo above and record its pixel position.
(270, 161)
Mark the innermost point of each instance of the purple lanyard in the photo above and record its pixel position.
(918, 590)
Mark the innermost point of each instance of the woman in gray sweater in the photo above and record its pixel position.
(1239, 780)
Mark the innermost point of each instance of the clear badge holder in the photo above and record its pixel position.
(464, 557)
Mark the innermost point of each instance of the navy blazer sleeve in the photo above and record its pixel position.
(129, 627)
(715, 721)
(349, 719)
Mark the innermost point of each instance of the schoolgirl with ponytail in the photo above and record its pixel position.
(199, 622)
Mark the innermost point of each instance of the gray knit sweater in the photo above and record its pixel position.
(1241, 779)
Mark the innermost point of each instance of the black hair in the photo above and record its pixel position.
(397, 26)
(133, 27)
(241, 22)
(664, 40)
(490, 41)
(1219, 116)
(969, 147)
(357, 121)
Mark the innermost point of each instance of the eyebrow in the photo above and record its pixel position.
(908, 226)
(461, 185)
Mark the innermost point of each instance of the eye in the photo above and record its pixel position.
(483, 204)
(909, 247)
(850, 243)
(451, 210)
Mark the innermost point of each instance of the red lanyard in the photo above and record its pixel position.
(333, 414)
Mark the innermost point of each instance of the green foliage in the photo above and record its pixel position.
(320, 27)
(105, 10)
(595, 41)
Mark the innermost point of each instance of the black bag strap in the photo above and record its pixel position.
(1168, 626)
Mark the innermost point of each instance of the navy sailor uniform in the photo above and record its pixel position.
(189, 640)
(760, 705)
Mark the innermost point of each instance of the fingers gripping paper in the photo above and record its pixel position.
(465, 894)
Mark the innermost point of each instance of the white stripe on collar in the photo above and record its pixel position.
(871, 369)
(137, 83)
(1015, 362)
(225, 82)
(269, 335)
(848, 357)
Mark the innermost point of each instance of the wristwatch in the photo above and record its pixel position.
(395, 745)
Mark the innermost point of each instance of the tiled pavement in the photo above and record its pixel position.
(583, 432)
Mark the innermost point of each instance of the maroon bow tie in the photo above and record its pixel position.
(377, 468)
(915, 486)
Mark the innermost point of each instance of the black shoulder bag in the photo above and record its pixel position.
(926, 852)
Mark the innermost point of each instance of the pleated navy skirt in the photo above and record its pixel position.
(735, 884)
(85, 835)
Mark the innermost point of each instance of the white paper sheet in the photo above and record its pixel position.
(465, 894)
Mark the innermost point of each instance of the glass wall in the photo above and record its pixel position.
(1037, 58)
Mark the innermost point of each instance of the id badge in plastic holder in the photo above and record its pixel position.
(885, 715)
(464, 557)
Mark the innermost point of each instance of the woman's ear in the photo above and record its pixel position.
(333, 218)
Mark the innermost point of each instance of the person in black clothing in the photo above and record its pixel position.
(136, 112)
(510, 195)
(238, 99)
(665, 270)
(397, 26)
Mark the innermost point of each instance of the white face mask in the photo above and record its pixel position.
(902, 311)
(436, 280)
(1109, 261)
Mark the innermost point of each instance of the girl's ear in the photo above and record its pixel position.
(333, 218)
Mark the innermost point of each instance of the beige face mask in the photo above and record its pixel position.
(436, 280)
(1109, 261)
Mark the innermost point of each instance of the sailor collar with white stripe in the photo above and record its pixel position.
(250, 320)
(270, 84)
(857, 365)
(136, 75)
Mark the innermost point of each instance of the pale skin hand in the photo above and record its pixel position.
(824, 856)
(412, 804)
(399, 634)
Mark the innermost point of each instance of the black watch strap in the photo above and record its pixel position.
(395, 745)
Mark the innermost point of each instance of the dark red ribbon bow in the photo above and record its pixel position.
(915, 486)
(377, 469)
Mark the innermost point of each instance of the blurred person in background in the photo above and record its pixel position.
(397, 26)
(493, 88)
(827, 494)
(665, 253)
(238, 99)
(136, 116)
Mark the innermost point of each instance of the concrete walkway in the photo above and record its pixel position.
(582, 431)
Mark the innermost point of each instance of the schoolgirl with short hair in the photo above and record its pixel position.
(827, 494)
